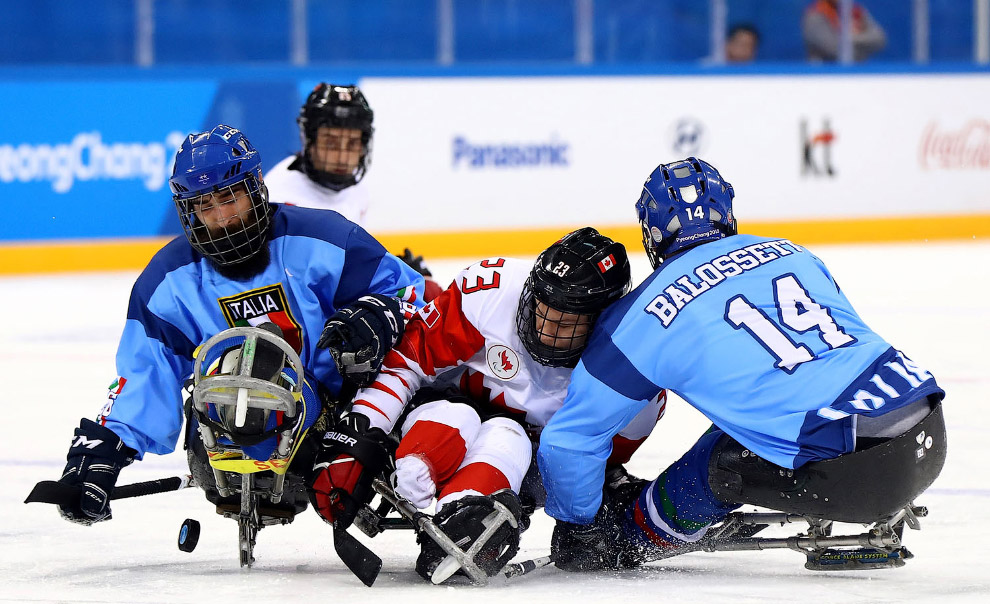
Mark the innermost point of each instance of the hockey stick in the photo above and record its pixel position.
(518, 569)
(356, 556)
(52, 491)
(719, 539)
(359, 559)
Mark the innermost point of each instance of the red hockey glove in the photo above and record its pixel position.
(351, 456)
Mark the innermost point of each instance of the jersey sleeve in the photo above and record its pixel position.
(369, 268)
(440, 337)
(635, 433)
(605, 394)
(145, 402)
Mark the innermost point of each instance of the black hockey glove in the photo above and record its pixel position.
(415, 262)
(94, 461)
(595, 546)
(360, 335)
(350, 457)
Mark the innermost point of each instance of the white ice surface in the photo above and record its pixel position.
(57, 346)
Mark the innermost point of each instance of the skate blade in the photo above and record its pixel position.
(857, 559)
(445, 570)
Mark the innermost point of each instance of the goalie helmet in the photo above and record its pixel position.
(684, 204)
(220, 196)
(572, 282)
(332, 106)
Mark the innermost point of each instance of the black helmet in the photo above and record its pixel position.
(335, 106)
(579, 276)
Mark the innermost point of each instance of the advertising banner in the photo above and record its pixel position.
(90, 159)
(528, 152)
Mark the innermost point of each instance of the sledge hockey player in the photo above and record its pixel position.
(476, 376)
(336, 129)
(814, 413)
(242, 262)
(335, 126)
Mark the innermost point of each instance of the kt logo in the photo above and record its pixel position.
(817, 147)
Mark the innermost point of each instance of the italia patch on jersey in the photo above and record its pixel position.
(263, 305)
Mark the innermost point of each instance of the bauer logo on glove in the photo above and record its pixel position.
(339, 437)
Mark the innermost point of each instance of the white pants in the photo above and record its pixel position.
(447, 452)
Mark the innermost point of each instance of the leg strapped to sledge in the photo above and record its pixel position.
(456, 558)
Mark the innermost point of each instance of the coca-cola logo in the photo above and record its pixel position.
(967, 148)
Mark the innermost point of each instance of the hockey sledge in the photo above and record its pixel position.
(222, 403)
(879, 546)
(373, 522)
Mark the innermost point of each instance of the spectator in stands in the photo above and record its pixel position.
(742, 43)
(820, 28)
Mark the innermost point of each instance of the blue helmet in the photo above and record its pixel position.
(221, 169)
(683, 204)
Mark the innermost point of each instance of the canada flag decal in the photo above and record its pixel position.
(503, 362)
(606, 263)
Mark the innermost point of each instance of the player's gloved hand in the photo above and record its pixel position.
(595, 546)
(350, 457)
(360, 335)
(94, 461)
(415, 262)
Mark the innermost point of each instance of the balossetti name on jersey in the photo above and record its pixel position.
(704, 277)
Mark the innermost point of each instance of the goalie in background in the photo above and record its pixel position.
(336, 127)
(241, 261)
(476, 376)
(814, 413)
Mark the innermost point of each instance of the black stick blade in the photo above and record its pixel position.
(52, 491)
(356, 556)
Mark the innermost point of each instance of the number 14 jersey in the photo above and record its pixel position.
(753, 332)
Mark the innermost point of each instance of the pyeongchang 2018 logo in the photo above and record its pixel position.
(86, 158)
(965, 148)
(553, 153)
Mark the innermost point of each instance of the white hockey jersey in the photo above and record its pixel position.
(293, 187)
(467, 336)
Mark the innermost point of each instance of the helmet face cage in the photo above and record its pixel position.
(684, 204)
(238, 239)
(220, 197)
(556, 340)
(330, 106)
(268, 362)
(572, 282)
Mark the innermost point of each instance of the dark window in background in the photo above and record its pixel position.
(513, 30)
(220, 31)
(365, 30)
(102, 32)
(55, 32)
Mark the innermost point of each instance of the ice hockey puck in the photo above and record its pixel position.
(189, 535)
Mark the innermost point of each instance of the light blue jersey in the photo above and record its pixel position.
(751, 331)
(319, 263)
